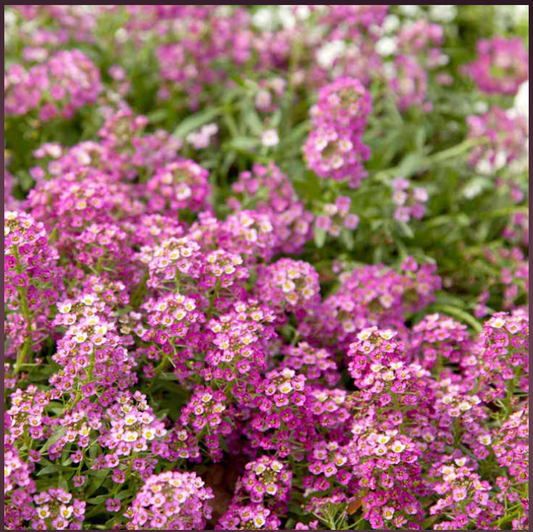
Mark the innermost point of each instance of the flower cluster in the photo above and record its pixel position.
(229, 302)
(266, 478)
(409, 81)
(317, 365)
(372, 296)
(66, 82)
(171, 501)
(505, 357)
(207, 413)
(267, 189)
(177, 187)
(334, 148)
(409, 200)
(501, 65)
(289, 285)
(465, 497)
(511, 446)
(31, 286)
(337, 216)
(249, 517)
(439, 337)
(504, 141)
(57, 509)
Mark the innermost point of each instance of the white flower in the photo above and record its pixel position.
(398, 447)
(484, 167)
(64, 308)
(410, 11)
(270, 138)
(330, 52)
(443, 13)
(485, 439)
(472, 189)
(386, 46)
(521, 101)
(391, 23)
(264, 19)
(286, 17)
(481, 107)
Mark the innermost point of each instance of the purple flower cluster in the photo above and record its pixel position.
(504, 140)
(409, 200)
(334, 148)
(337, 216)
(170, 501)
(501, 65)
(268, 190)
(182, 352)
(66, 82)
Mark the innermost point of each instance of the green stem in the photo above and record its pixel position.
(430, 160)
(23, 294)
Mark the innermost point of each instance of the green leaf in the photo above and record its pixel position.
(320, 236)
(47, 470)
(98, 500)
(243, 143)
(195, 121)
(406, 229)
(156, 116)
(309, 188)
(347, 238)
(238, 79)
(99, 478)
(60, 432)
(461, 315)
(410, 164)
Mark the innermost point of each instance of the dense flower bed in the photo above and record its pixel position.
(266, 267)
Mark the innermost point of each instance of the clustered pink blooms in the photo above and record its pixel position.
(372, 295)
(57, 88)
(249, 517)
(18, 488)
(318, 365)
(334, 148)
(408, 81)
(419, 46)
(409, 200)
(171, 501)
(203, 36)
(512, 445)
(501, 65)
(266, 478)
(351, 20)
(337, 216)
(168, 338)
(503, 140)
(31, 284)
(267, 189)
(439, 337)
(70, 22)
(505, 357)
(465, 497)
(422, 37)
(289, 285)
(178, 186)
(25, 508)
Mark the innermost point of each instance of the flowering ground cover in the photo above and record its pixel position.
(266, 267)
